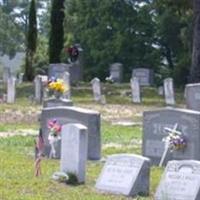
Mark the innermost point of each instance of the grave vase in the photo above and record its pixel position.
(57, 94)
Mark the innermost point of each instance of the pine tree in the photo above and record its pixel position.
(31, 42)
(57, 31)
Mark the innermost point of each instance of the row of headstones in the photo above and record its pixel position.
(115, 176)
(144, 75)
(136, 91)
(128, 174)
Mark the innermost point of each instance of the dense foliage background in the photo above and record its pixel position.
(155, 34)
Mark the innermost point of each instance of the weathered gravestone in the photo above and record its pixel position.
(192, 95)
(20, 78)
(96, 88)
(116, 72)
(57, 70)
(12, 64)
(154, 124)
(74, 146)
(135, 90)
(38, 89)
(125, 174)
(11, 90)
(144, 75)
(57, 102)
(169, 91)
(180, 181)
(66, 115)
(160, 90)
(66, 79)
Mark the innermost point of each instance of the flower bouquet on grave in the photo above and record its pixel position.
(54, 136)
(175, 141)
(56, 87)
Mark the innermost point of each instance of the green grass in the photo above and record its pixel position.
(17, 181)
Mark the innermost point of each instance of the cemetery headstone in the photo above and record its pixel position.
(116, 72)
(192, 95)
(154, 125)
(169, 91)
(135, 90)
(66, 79)
(20, 78)
(11, 90)
(126, 174)
(12, 64)
(70, 114)
(144, 75)
(57, 70)
(54, 102)
(96, 87)
(181, 180)
(74, 146)
(160, 91)
(38, 89)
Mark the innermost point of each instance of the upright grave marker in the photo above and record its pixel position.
(169, 91)
(181, 180)
(74, 150)
(144, 75)
(96, 87)
(135, 90)
(116, 72)
(66, 79)
(70, 114)
(125, 174)
(38, 89)
(11, 89)
(154, 125)
(192, 95)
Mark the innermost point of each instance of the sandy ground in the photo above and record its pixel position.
(112, 113)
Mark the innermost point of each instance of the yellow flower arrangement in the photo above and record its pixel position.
(57, 86)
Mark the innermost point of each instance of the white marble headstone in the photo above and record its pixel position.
(169, 91)
(66, 79)
(11, 90)
(74, 144)
(181, 180)
(135, 90)
(96, 87)
(126, 174)
(38, 89)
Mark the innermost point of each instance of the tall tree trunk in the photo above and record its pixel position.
(195, 66)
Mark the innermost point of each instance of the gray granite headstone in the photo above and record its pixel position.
(144, 75)
(192, 95)
(126, 174)
(65, 115)
(38, 89)
(116, 72)
(180, 181)
(11, 90)
(135, 90)
(169, 91)
(57, 70)
(96, 88)
(66, 79)
(154, 124)
(74, 144)
(57, 102)
(74, 69)
(12, 64)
